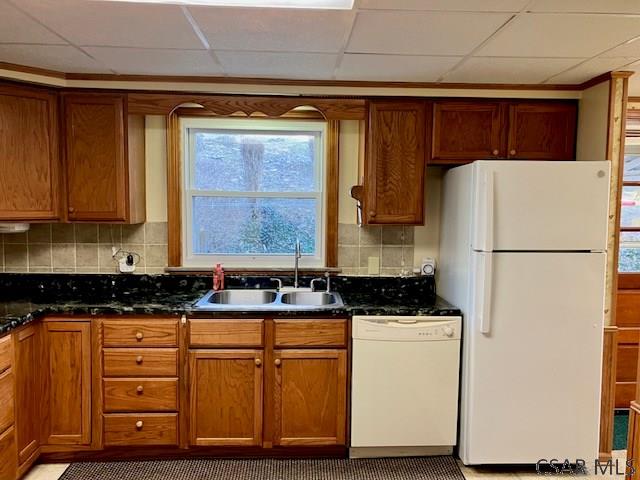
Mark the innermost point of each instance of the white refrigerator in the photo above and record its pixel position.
(523, 253)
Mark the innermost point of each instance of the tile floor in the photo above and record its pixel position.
(54, 471)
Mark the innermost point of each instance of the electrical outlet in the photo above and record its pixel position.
(373, 267)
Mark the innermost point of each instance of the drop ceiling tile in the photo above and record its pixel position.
(509, 70)
(560, 35)
(590, 69)
(422, 33)
(631, 49)
(16, 27)
(450, 5)
(586, 6)
(119, 24)
(312, 66)
(273, 29)
(399, 68)
(155, 62)
(53, 57)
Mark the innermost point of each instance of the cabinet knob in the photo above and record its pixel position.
(372, 213)
(278, 362)
(139, 389)
(258, 362)
(139, 336)
(139, 424)
(71, 209)
(495, 152)
(139, 359)
(512, 152)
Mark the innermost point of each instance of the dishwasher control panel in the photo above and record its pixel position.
(406, 328)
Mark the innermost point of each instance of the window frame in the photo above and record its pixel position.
(189, 126)
(629, 148)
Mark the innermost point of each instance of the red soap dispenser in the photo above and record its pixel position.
(218, 277)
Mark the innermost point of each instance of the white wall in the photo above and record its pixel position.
(593, 120)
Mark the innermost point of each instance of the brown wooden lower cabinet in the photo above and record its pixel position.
(28, 368)
(68, 380)
(226, 397)
(8, 454)
(310, 397)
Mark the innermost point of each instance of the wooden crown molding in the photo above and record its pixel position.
(105, 77)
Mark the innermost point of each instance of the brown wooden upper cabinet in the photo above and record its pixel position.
(395, 162)
(469, 130)
(542, 131)
(29, 155)
(465, 130)
(104, 159)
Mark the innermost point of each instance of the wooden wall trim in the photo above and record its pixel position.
(607, 401)
(88, 77)
(333, 193)
(174, 192)
(272, 106)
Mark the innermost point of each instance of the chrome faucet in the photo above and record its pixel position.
(297, 254)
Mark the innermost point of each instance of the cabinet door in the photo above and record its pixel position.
(8, 454)
(395, 163)
(542, 131)
(29, 414)
(466, 131)
(310, 397)
(68, 349)
(29, 159)
(95, 157)
(226, 397)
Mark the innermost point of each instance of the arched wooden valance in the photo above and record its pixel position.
(271, 106)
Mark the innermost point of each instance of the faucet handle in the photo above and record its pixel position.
(313, 282)
(274, 279)
(327, 278)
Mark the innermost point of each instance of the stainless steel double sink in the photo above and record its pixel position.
(259, 299)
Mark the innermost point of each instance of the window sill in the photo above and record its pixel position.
(253, 271)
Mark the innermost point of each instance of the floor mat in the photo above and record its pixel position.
(620, 428)
(413, 468)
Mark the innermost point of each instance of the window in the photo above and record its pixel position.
(629, 258)
(252, 187)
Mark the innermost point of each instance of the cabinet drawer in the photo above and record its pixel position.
(6, 352)
(140, 395)
(310, 333)
(140, 362)
(6, 400)
(142, 429)
(226, 333)
(141, 333)
(8, 455)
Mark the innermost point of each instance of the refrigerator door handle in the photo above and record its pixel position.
(488, 209)
(484, 292)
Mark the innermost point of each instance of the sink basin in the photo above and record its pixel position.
(265, 300)
(309, 298)
(243, 297)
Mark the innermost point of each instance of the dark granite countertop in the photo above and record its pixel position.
(25, 298)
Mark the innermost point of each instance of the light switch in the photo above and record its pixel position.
(373, 267)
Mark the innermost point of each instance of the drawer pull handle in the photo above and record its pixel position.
(495, 152)
(278, 362)
(139, 424)
(512, 152)
(139, 359)
(258, 362)
(139, 389)
(139, 336)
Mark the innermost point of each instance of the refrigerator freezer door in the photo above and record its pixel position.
(534, 206)
(531, 384)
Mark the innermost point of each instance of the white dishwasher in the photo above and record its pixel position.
(404, 393)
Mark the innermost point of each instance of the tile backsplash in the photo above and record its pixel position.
(86, 248)
(392, 245)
